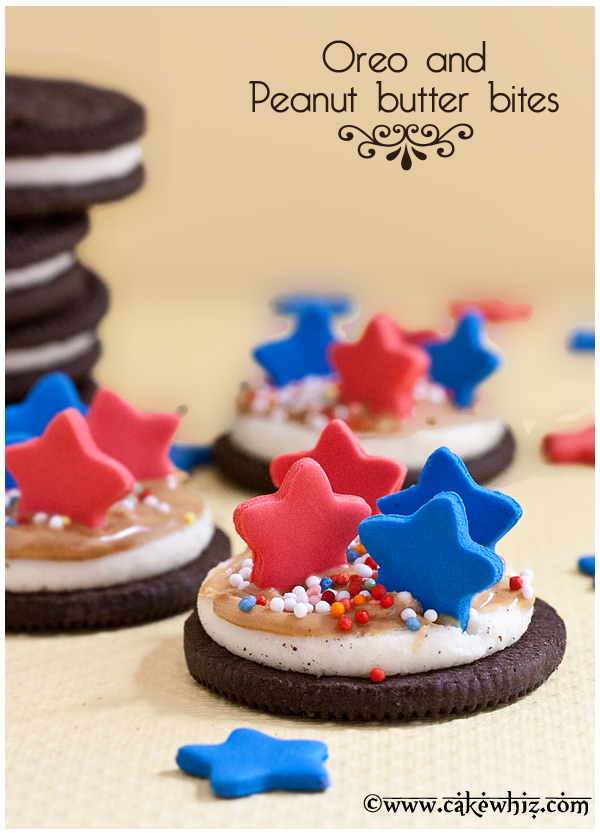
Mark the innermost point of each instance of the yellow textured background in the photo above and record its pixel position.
(239, 206)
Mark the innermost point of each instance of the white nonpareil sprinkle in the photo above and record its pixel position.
(309, 607)
(527, 591)
(14, 493)
(343, 594)
(312, 580)
(242, 585)
(298, 590)
(129, 503)
(364, 571)
(322, 607)
(289, 596)
(356, 542)
(246, 572)
(290, 604)
(151, 500)
(235, 579)
(408, 613)
(247, 562)
(526, 580)
(300, 611)
(40, 517)
(473, 614)
(277, 604)
(404, 596)
(56, 522)
(430, 615)
(527, 574)
(164, 507)
(302, 597)
(171, 481)
(360, 560)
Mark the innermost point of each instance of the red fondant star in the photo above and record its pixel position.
(493, 309)
(572, 447)
(303, 528)
(138, 439)
(380, 369)
(351, 471)
(63, 472)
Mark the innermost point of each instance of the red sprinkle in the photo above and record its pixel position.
(261, 600)
(144, 493)
(344, 623)
(362, 617)
(346, 603)
(356, 579)
(354, 588)
(22, 519)
(377, 675)
(372, 564)
(341, 579)
(387, 601)
(328, 596)
(378, 592)
(516, 582)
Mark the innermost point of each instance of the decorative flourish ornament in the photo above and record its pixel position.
(409, 136)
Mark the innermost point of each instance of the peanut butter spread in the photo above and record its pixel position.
(226, 598)
(166, 508)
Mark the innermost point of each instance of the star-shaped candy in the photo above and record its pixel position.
(54, 393)
(139, 439)
(495, 310)
(490, 514)
(571, 447)
(432, 555)
(463, 362)
(304, 352)
(587, 564)
(252, 762)
(63, 472)
(302, 529)
(381, 369)
(351, 471)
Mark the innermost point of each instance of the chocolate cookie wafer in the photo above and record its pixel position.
(495, 680)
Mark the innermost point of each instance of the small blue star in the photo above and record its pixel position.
(587, 565)
(53, 393)
(583, 340)
(462, 362)
(252, 762)
(490, 514)
(431, 555)
(305, 352)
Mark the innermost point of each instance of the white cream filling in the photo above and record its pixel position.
(38, 273)
(71, 168)
(48, 355)
(267, 438)
(25, 575)
(397, 652)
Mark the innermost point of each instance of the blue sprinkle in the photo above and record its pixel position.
(352, 555)
(10, 521)
(326, 583)
(413, 624)
(583, 341)
(587, 564)
(247, 603)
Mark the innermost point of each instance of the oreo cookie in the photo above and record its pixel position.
(42, 273)
(68, 146)
(251, 472)
(65, 340)
(110, 607)
(494, 680)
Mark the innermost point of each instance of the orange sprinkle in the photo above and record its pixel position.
(359, 599)
(337, 610)
(359, 548)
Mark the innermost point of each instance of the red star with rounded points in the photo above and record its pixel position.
(303, 528)
(351, 471)
(571, 447)
(380, 369)
(63, 472)
(139, 439)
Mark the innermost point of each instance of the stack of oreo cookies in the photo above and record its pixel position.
(68, 146)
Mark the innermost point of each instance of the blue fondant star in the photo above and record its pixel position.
(490, 514)
(11, 439)
(583, 340)
(462, 362)
(53, 393)
(432, 555)
(252, 762)
(188, 456)
(587, 564)
(305, 352)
